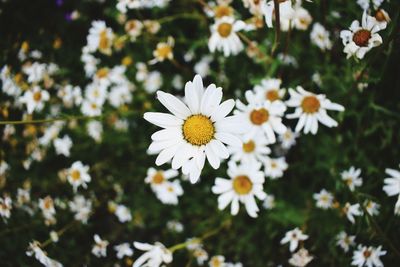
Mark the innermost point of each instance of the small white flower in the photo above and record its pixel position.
(321, 37)
(224, 36)
(324, 199)
(269, 202)
(41, 256)
(254, 149)
(78, 175)
(311, 109)
(47, 206)
(372, 207)
(100, 38)
(274, 167)
(123, 213)
(81, 207)
(5, 207)
(245, 184)
(35, 99)
(301, 258)
(163, 51)
(63, 145)
(288, 139)
(154, 255)
(352, 178)
(175, 226)
(293, 237)
(217, 261)
(345, 241)
(352, 210)
(270, 89)
(153, 82)
(95, 130)
(203, 66)
(368, 256)
(286, 12)
(123, 250)
(201, 255)
(361, 38)
(99, 249)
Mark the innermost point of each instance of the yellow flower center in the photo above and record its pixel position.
(163, 51)
(101, 73)
(75, 175)
(259, 116)
(198, 130)
(272, 95)
(104, 43)
(224, 29)
(380, 15)
(37, 96)
(362, 37)
(310, 104)
(48, 203)
(222, 11)
(242, 184)
(249, 146)
(367, 253)
(158, 178)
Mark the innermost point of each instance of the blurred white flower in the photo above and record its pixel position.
(352, 178)
(78, 175)
(345, 241)
(324, 199)
(99, 249)
(301, 258)
(154, 255)
(63, 145)
(123, 250)
(294, 237)
(368, 256)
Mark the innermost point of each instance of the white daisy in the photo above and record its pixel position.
(123, 250)
(288, 139)
(34, 99)
(41, 255)
(47, 207)
(63, 145)
(224, 37)
(154, 255)
(324, 199)
(352, 210)
(78, 175)
(261, 116)
(352, 178)
(123, 213)
(254, 149)
(294, 237)
(133, 28)
(195, 130)
(274, 167)
(169, 192)
(157, 178)
(392, 186)
(286, 13)
(5, 207)
(245, 184)
(368, 256)
(201, 255)
(382, 18)
(100, 38)
(311, 109)
(153, 81)
(321, 37)
(217, 261)
(301, 17)
(361, 38)
(269, 89)
(372, 207)
(301, 258)
(81, 207)
(269, 202)
(163, 51)
(99, 249)
(345, 241)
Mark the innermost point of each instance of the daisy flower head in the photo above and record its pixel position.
(123, 250)
(293, 237)
(5, 207)
(221, 9)
(382, 18)
(224, 36)
(163, 51)
(288, 139)
(254, 149)
(352, 210)
(270, 89)
(368, 256)
(99, 248)
(352, 178)
(78, 175)
(154, 255)
(301, 258)
(274, 167)
(311, 109)
(217, 261)
(100, 38)
(196, 129)
(34, 99)
(245, 184)
(372, 207)
(157, 178)
(301, 18)
(392, 186)
(261, 117)
(324, 199)
(169, 192)
(345, 241)
(362, 38)
(321, 37)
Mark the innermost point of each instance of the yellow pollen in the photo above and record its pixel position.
(274, 165)
(104, 43)
(242, 185)
(222, 11)
(93, 105)
(249, 146)
(310, 104)
(37, 96)
(224, 29)
(198, 130)
(75, 175)
(158, 178)
(48, 203)
(361, 37)
(101, 73)
(380, 16)
(170, 189)
(130, 25)
(349, 181)
(367, 253)
(272, 95)
(259, 116)
(163, 51)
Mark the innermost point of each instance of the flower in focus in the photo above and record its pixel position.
(224, 36)
(254, 149)
(197, 129)
(154, 255)
(362, 38)
(311, 109)
(245, 185)
(294, 237)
